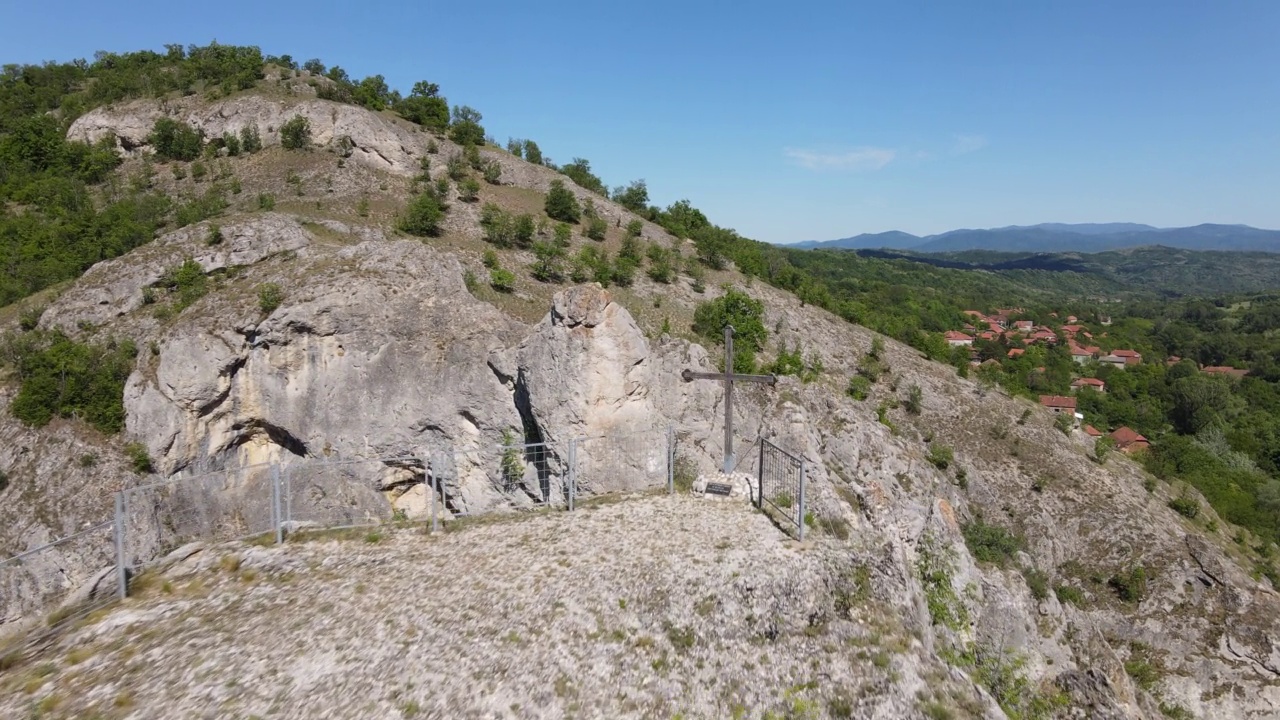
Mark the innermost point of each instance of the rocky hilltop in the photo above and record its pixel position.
(1023, 572)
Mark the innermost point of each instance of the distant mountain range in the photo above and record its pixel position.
(1061, 237)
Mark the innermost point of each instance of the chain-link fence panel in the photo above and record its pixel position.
(350, 493)
(630, 462)
(781, 478)
(493, 478)
(38, 590)
(211, 507)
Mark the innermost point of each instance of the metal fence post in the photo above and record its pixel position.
(288, 496)
(671, 459)
(573, 471)
(433, 482)
(122, 575)
(275, 502)
(760, 478)
(801, 502)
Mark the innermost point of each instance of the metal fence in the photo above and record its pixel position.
(41, 580)
(781, 477)
(631, 462)
(275, 499)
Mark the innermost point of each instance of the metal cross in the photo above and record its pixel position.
(729, 379)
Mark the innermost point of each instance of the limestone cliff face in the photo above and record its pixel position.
(377, 142)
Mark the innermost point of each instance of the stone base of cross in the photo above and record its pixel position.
(729, 378)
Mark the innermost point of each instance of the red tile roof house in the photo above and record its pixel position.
(1015, 352)
(1095, 383)
(1129, 440)
(1122, 358)
(1059, 403)
(1023, 325)
(1082, 355)
(1092, 431)
(1131, 357)
(1045, 335)
(956, 339)
(1236, 373)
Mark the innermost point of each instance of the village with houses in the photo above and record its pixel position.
(1002, 342)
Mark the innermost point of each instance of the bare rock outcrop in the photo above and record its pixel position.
(375, 141)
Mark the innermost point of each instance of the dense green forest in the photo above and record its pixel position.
(63, 208)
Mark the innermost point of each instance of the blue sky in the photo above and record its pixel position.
(810, 120)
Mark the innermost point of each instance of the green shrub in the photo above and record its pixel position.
(990, 543)
(548, 266)
(635, 228)
(295, 133)
(745, 314)
(208, 205)
(561, 204)
(1064, 423)
(1068, 594)
(423, 215)
(596, 228)
(29, 319)
(871, 368)
(512, 466)
(198, 171)
(214, 236)
(661, 268)
(270, 295)
(624, 271)
(489, 259)
(1129, 586)
(139, 458)
(532, 153)
(466, 128)
(1185, 506)
(1102, 447)
(187, 281)
(524, 229)
(940, 456)
(266, 202)
(1037, 583)
(60, 377)
(250, 140)
(502, 280)
(468, 189)
(362, 207)
(1176, 712)
(1144, 673)
(562, 234)
(493, 172)
(231, 143)
(456, 167)
(471, 154)
(914, 400)
(173, 140)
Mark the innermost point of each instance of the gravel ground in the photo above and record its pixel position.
(664, 607)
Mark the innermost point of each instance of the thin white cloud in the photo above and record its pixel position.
(965, 144)
(862, 158)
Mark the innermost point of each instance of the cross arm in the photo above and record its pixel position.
(688, 375)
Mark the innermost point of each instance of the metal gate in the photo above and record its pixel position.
(781, 487)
